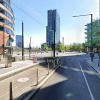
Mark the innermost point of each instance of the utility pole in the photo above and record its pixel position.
(30, 48)
(91, 40)
(98, 43)
(3, 41)
(54, 39)
(22, 41)
(92, 54)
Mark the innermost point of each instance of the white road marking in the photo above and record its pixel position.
(86, 82)
(23, 79)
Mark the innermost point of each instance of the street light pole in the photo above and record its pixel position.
(91, 40)
(30, 47)
(54, 39)
(91, 35)
(22, 41)
(3, 41)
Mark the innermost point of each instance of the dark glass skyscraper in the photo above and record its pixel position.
(19, 41)
(6, 25)
(53, 16)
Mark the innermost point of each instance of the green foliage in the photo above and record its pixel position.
(67, 48)
(77, 47)
(62, 47)
(35, 49)
(50, 57)
(45, 47)
(57, 48)
(50, 49)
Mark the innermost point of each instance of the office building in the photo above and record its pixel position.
(53, 16)
(6, 26)
(62, 40)
(19, 41)
(95, 34)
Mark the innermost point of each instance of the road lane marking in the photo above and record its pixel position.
(86, 82)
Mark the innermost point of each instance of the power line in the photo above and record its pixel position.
(28, 14)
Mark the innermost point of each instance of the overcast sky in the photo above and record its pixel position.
(72, 29)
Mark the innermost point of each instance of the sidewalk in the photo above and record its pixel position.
(16, 68)
(94, 65)
(25, 84)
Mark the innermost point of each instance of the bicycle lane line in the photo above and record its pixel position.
(86, 82)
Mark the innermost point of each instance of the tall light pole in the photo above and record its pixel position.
(30, 48)
(91, 34)
(22, 41)
(3, 45)
(54, 40)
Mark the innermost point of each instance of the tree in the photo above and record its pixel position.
(50, 49)
(35, 49)
(62, 47)
(79, 47)
(84, 45)
(45, 47)
(67, 48)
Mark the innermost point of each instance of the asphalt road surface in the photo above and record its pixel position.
(74, 80)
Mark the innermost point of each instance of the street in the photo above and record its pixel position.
(74, 80)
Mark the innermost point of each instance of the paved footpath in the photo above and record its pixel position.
(94, 65)
(16, 68)
(23, 82)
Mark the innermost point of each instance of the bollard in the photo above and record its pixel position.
(54, 63)
(42, 59)
(37, 77)
(11, 96)
(57, 61)
(48, 68)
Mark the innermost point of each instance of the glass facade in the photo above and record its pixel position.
(19, 41)
(53, 16)
(6, 21)
(95, 33)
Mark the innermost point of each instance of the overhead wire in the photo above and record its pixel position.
(28, 14)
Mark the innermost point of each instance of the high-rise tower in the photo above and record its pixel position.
(99, 9)
(6, 26)
(53, 16)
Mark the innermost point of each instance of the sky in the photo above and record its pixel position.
(72, 29)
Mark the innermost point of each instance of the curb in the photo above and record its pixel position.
(40, 85)
(93, 68)
(2, 77)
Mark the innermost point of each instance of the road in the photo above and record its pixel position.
(74, 80)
